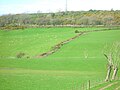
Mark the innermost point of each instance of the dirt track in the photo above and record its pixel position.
(109, 85)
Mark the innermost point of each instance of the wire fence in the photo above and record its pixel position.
(88, 85)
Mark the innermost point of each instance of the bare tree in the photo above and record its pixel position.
(112, 54)
(116, 59)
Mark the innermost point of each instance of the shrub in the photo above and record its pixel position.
(20, 55)
(76, 31)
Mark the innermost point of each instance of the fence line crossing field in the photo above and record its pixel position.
(73, 64)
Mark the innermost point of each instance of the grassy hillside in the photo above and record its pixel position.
(63, 70)
(31, 41)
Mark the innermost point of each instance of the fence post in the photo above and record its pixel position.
(83, 86)
(89, 85)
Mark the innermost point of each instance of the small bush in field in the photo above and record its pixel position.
(76, 31)
(20, 55)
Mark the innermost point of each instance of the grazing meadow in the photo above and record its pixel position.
(74, 63)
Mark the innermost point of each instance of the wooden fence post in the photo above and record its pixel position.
(89, 85)
(83, 86)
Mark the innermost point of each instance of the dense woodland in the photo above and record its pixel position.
(69, 18)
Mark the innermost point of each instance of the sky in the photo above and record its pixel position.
(33, 6)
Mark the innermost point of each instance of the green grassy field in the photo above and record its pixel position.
(31, 41)
(114, 85)
(64, 70)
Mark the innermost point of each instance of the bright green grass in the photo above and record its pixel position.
(33, 41)
(66, 69)
(16, 79)
(115, 86)
(112, 87)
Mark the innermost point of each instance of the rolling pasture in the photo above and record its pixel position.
(31, 41)
(76, 62)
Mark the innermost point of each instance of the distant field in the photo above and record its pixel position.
(33, 41)
(64, 70)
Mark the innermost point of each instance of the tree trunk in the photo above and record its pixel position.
(108, 73)
(114, 73)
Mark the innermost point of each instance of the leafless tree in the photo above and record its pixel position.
(112, 54)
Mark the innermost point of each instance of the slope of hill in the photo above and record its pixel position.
(76, 62)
